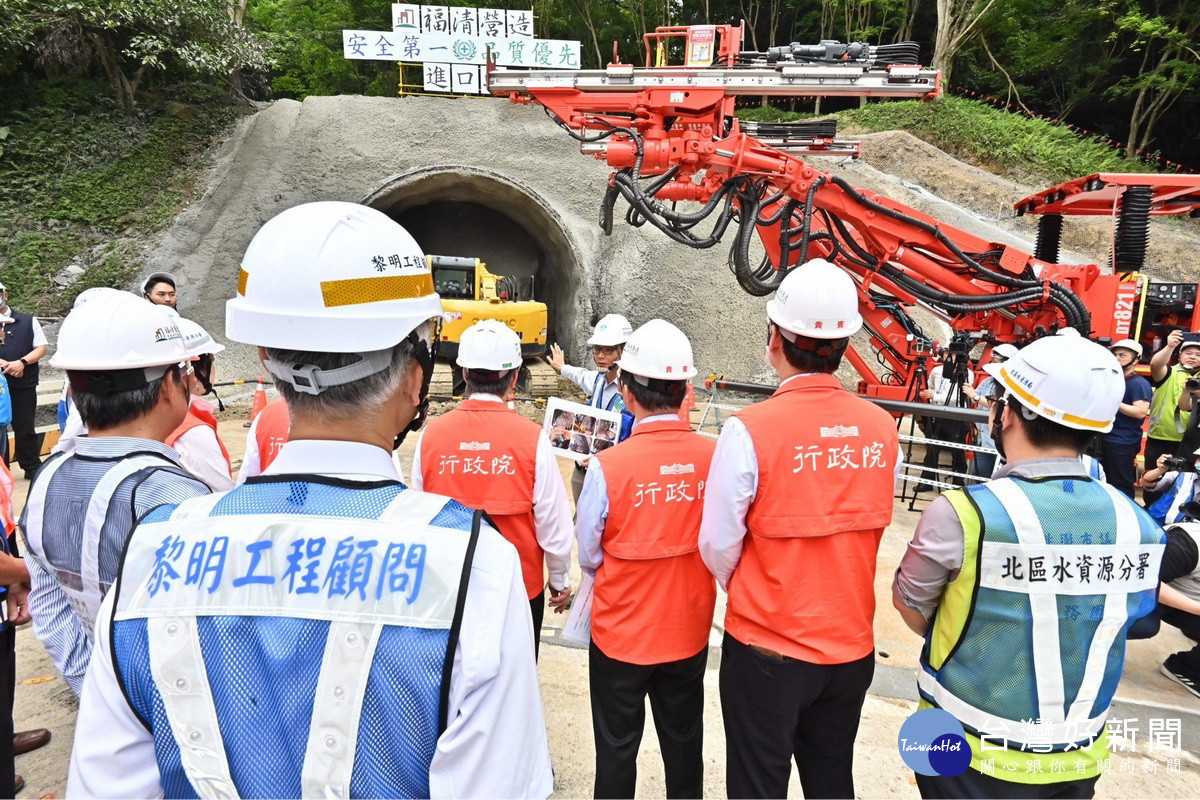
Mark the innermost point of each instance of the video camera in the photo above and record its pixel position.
(1190, 510)
(1179, 464)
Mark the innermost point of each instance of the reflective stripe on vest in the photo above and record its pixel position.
(1166, 509)
(1167, 420)
(1044, 698)
(271, 429)
(400, 572)
(84, 590)
(653, 599)
(484, 455)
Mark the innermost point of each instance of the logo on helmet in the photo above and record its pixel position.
(166, 334)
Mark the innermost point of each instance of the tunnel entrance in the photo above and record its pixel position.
(479, 214)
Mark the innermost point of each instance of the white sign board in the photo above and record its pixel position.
(579, 431)
(448, 48)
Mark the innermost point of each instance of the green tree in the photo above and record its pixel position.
(132, 39)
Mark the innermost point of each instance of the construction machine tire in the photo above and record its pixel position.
(445, 378)
(538, 379)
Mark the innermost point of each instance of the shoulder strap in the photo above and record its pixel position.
(456, 624)
(35, 505)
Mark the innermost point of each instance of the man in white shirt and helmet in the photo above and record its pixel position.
(321, 630)
(600, 385)
(123, 358)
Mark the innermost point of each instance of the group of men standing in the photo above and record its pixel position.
(322, 629)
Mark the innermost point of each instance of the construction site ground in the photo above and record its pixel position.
(1145, 695)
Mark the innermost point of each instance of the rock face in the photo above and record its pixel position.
(502, 182)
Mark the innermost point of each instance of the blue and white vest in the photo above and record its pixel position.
(616, 403)
(1166, 509)
(294, 637)
(1093, 467)
(1032, 651)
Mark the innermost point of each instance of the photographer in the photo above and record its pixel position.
(1191, 436)
(1168, 421)
(946, 388)
(1173, 481)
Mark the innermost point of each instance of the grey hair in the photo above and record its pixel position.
(363, 396)
(103, 411)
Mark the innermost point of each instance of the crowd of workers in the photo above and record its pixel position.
(320, 628)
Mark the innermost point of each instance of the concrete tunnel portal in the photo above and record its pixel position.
(478, 214)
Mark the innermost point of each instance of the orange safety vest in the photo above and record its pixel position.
(653, 598)
(826, 475)
(271, 430)
(6, 503)
(200, 413)
(484, 455)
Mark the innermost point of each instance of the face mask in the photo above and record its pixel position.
(997, 426)
(424, 353)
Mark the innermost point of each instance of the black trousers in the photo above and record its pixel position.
(1119, 465)
(1154, 449)
(676, 691)
(1188, 624)
(28, 449)
(946, 430)
(537, 607)
(972, 784)
(8, 680)
(777, 710)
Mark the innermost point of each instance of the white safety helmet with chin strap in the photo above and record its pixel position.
(197, 340)
(490, 345)
(658, 351)
(612, 330)
(117, 342)
(335, 277)
(818, 300)
(1066, 379)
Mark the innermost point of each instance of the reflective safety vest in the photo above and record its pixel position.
(484, 455)
(804, 586)
(615, 403)
(1093, 467)
(1167, 420)
(271, 429)
(6, 503)
(653, 598)
(84, 589)
(1166, 509)
(1028, 642)
(200, 414)
(294, 637)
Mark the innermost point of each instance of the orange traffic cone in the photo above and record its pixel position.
(260, 402)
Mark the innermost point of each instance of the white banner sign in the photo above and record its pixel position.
(454, 78)
(449, 48)
(494, 23)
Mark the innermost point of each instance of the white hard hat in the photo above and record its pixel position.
(1004, 351)
(197, 340)
(489, 344)
(658, 350)
(96, 293)
(1066, 379)
(122, 332)
(331, 277)
(1127, 344)
(817, 299)
(611, 330)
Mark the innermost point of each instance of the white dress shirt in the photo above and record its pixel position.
(252, 458)
(200, 453)
(591, 510)
(495, 744)
(731, 487)
(551, 510)
(585, 379)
